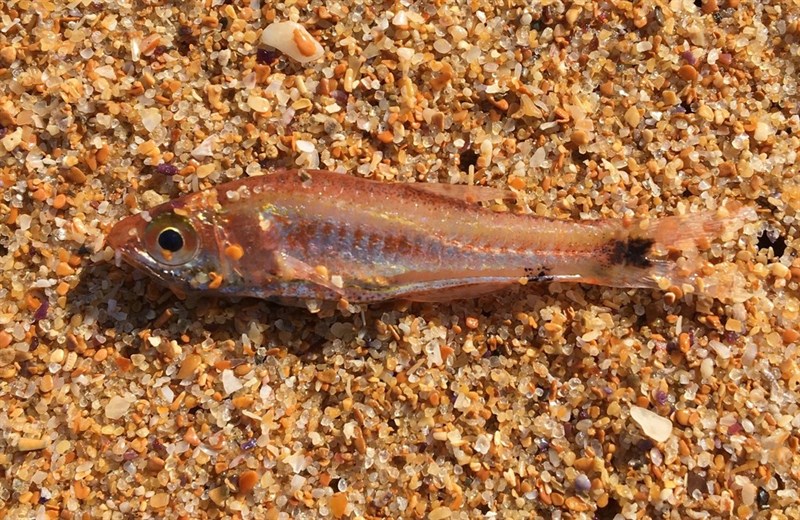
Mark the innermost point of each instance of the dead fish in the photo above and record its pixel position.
(300, 235)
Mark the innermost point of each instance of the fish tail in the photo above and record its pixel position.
(660, 253)
(682, 232)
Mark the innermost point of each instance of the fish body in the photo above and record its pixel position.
(298, 235)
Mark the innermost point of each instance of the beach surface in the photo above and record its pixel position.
(120, 400)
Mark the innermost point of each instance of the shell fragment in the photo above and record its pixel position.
(292, 39)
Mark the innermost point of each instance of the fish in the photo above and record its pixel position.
(295, 236)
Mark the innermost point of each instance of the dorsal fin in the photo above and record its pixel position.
(471, 194)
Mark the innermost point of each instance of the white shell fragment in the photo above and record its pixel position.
(653, 425)
(292, 39)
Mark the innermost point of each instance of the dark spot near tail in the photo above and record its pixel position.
(539, 275)
(631, 252)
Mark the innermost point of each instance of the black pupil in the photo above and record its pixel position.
(170, 240)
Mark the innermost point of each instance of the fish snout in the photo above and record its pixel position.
(124, 232)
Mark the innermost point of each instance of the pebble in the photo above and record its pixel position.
(400, 19)
(705, 112)
(687, 72)
(405, 54)
(188, 366)
(749, 491)
(653, 425)
(258, 104)
(30, 444)
(205, 148)
(338, 504)
(8, 55)
(204, 170)
(117, 407)
(707, 368)
(778, 270)
(57, 356)
(12, 140)
(7, 356)
(82, 491)
(191, 437)
(576, 504)
(579, 137)
(159, 501)
(582, 483)
(218, 495)
(151, 118)
(46, 383)
(247, 481)
(632, 117)
(75, 175)
(230, 382)
(305, 146)
(762, 498)
(442, 46)
(440, 513)
(763, 131)
(483, 444)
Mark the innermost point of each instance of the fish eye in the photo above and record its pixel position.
(171, 239)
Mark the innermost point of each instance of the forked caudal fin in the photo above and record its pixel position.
(631, 259)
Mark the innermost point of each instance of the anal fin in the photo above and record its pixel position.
(459, 292)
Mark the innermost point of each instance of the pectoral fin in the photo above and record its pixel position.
(471, 194)
(289, 268)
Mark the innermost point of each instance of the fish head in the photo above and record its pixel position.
(175, 243)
